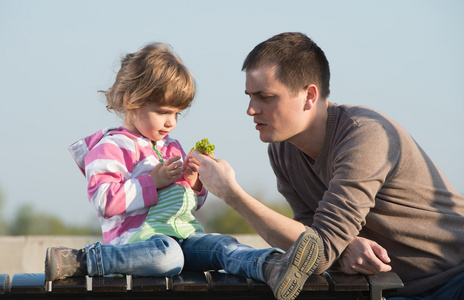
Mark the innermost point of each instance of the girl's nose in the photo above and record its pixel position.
(171, 122)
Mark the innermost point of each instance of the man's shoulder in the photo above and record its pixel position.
(358, 111)
(358, 115)
(364, 125)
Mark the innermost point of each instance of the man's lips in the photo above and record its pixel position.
(259, 125)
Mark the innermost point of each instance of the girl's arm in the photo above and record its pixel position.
(191, 166)
(189, 170)
(111, 190)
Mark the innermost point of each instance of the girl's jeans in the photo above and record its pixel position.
(166, 256)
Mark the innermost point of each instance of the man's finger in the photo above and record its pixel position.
(376, 265)
(201, 157)
(381, 253)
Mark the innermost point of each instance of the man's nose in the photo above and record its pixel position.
(252, 109)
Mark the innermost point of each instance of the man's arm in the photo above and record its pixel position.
(219, 178)
(360, 256)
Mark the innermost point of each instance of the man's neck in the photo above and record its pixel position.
(311, 140)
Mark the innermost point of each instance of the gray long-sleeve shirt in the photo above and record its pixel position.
(372, 180)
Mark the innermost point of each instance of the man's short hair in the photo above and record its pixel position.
(299, 61)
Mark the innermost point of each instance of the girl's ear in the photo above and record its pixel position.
(128, 119)
(311, 95)
(126, 101)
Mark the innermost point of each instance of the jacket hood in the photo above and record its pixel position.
(80, 149)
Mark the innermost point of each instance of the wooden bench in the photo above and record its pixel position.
(192, 285)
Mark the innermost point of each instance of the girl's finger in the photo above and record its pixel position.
(193, 167)
(171, 160)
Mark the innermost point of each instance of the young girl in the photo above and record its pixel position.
(146, 191)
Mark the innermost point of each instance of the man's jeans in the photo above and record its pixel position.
(165, 256)
(452, 290)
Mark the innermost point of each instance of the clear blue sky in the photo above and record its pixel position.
(405, 58)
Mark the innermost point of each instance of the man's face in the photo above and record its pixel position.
(277, 112)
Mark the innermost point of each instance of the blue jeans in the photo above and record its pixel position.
(451, 290)
(166, 256)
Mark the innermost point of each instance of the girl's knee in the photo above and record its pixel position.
(168, 258)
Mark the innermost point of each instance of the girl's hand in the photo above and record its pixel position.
(167, 172)
(191, 166)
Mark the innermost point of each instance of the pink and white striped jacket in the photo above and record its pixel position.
(117, 164)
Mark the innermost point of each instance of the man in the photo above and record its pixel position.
(352, 176)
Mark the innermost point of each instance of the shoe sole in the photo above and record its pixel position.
(50, 265)
(304, 261)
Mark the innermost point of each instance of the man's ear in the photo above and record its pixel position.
(311, 93)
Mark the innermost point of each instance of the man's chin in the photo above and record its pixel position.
(267, 139)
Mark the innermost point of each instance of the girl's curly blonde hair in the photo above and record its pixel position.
(153, 74)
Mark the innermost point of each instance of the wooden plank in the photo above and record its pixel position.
(316, 283)
(259, 286)
(224, 282)
(148, 284)
(109, 284)
(70, 285)
(4, 284)
(28, 283)
(340, 281)
(190, 282)
(313, 283)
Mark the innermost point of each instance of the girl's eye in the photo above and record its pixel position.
(164, 112)
(168, 112)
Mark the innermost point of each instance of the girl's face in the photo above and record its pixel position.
(152, 120)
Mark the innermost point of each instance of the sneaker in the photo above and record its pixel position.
(287, 273)
(62, 262)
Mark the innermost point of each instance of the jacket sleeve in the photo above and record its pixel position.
(201, 196)
(111, 190)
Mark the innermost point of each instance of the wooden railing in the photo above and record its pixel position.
(193, 285)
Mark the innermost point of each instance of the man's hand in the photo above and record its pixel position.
(217, 175)
(364, 256)
(167, 172)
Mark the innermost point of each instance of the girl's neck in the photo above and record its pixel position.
(129, 126)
